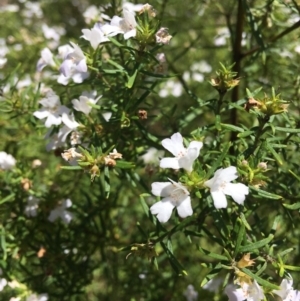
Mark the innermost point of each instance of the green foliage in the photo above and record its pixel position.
(229, 80)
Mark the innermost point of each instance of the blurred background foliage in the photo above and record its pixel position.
(82, 260)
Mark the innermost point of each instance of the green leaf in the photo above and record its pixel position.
(124, 164)
(231, 127)
(256, 245)
(112, 71)
(118, 66)
(8, 198)
(114, 41)
(261, 281)
(265, 194)
(292, 268)
(275, 154)
(243, 218)
(287, 130)
(178, 268)
(218, 123)
(131, 79)
(262, 269)
(240, 237)
(143, 202)
(212, 254)
(294, 206)
(245, 134)
(297, 177)
(3, 243)
(285, 252)
(72, 167)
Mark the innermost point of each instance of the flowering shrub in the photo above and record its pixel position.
(136, 165)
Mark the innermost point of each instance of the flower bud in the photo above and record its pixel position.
(262, 165)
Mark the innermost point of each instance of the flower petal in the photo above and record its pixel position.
(163, 210)
(174, 145)
(41, 113)
(169, 163)
(227, 174)
(163, 189)
(237, 191)
(197, 145)
(185, 208)
(234, 293)
(219, 199)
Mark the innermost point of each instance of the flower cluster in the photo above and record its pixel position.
(177, 194)
(253, 292)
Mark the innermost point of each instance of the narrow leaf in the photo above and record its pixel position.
(275, 154)
(259, 280)
(240, 237)
(257, 245)
(131, 79)
(295, 206)
(231, 127)
(8, 198)
(287, 130)
(265, 194)
(212, 254)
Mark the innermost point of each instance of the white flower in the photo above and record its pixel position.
(132, 6)
(83, 104)
(61, 212)
(45, 60)
(3, 283)
(74, 62)
(286, 292)
(53, 32)
(249, 292)
(69, 121)
(57, 140)
(222, 36)
(234, 293)
(174, 195)
(95, 35)
(213, 285)
(91, 13)
(6, 161)
(191, 294)
(32, 206)
(171, 87)
(152, 156)
(126, 25)
(52, 109)
(34, 297)
(184, 158)
(220, 185)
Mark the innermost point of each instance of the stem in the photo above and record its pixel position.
(260, 131)
(237, 59)
(219, 104)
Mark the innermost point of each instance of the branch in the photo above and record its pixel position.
(274, 39)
